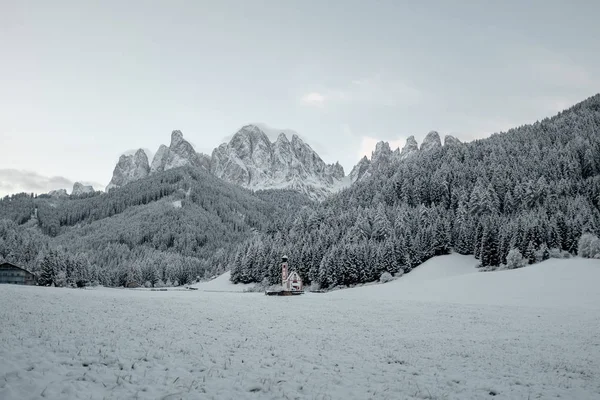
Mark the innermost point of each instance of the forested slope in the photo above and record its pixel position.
(534, 188)
(174, 226)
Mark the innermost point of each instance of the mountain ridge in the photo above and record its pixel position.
(250, 159)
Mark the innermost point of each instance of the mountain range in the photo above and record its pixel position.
(251, 160)
(512, 199)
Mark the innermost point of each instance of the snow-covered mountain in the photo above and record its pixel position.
(360, 170)
(58, 193)
(134, 167)
(251, 160)
(178, 154)
(432, 141)
(79, 189)
(383, 154)
(410, 148)
(129, 168)
(450, 140)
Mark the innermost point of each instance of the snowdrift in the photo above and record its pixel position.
(455, 279)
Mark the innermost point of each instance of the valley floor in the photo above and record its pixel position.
(444, 331)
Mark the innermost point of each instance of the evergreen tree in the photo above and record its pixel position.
(46, 277)
(530, 253)
(381, 224)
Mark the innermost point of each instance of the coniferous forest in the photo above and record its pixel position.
(531, 192)
(171, 228)
(513, 199)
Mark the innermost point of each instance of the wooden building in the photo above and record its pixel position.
(10, 273)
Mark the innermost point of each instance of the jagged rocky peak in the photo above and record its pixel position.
(176, 137)
(79, 189)
(252, 142)
(245, 158)
(450, 140)
(58, 193)
(409, 148)
(251, 160)
(282, 138)
(180, 153)
(160, 159)
(249, 135)
(380, 157)
(360, 170)
(431, 141)
(130, 168)
(382, 153)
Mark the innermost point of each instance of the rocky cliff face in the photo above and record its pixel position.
(160, 159)
(180, 153)
(432, 141)
(360, 170)
(383, 155)
(450, 140)
(58, 193)
(380, 157)
(129, 168)
(79, 189)
(251, 160)
(411, 147)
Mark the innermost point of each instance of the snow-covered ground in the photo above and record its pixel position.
(444, 331)
(221, 284)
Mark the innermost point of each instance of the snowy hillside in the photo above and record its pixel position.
(455, 279)
(221, 283)
(444, 331)
(533, 190)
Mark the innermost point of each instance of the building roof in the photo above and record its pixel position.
(292, 273)
(7, 264)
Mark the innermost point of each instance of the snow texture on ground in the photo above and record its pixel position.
(443, 331)
(221, 284)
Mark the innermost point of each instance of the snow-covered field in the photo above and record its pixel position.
(444, 331)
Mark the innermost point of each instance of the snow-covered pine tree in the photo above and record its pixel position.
(381, 225)
(530, 253)
(46, 277)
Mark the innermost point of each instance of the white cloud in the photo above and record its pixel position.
(314, 99)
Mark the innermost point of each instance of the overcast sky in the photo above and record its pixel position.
(81, 82)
